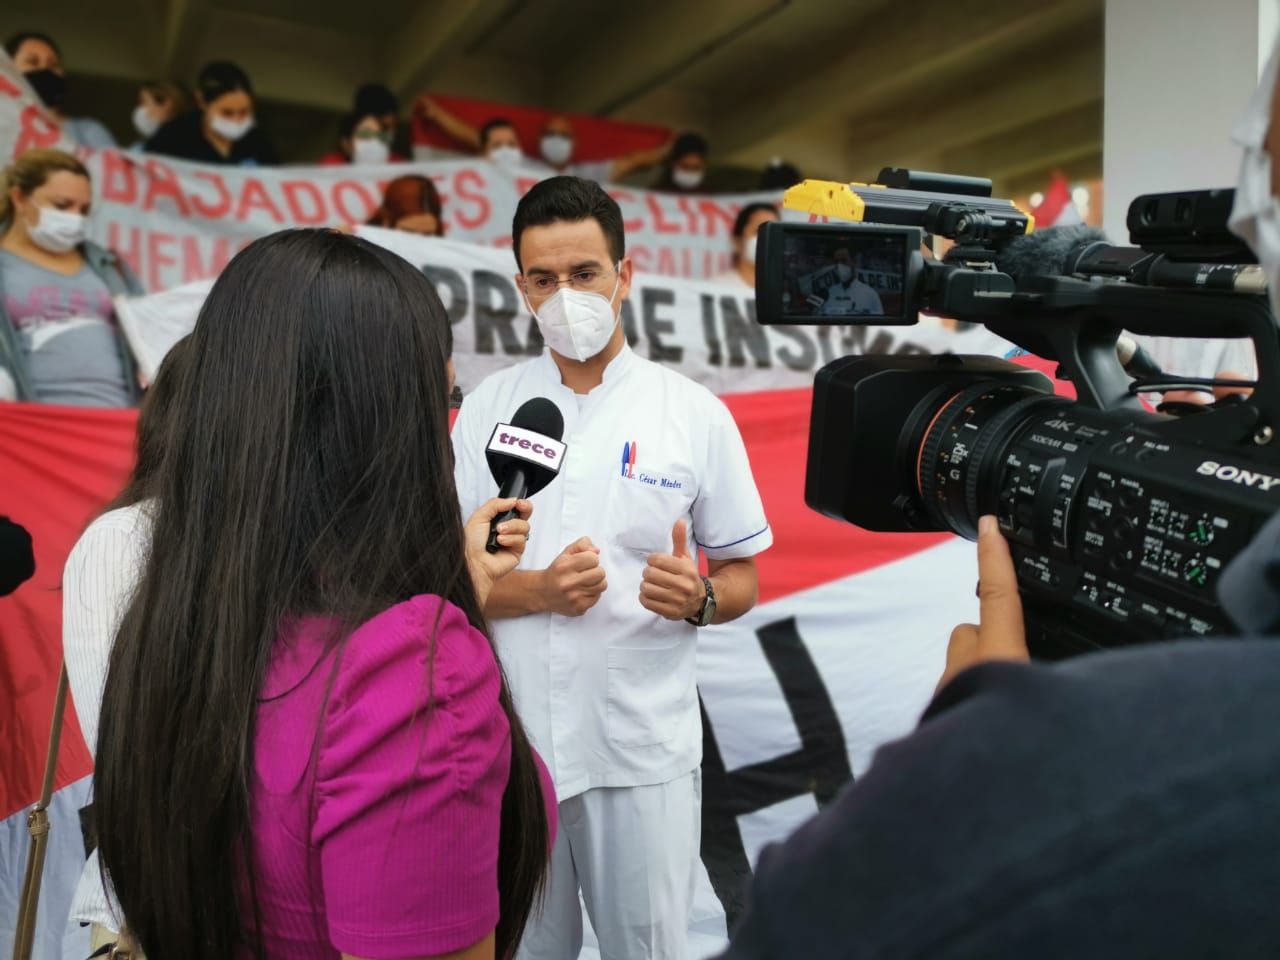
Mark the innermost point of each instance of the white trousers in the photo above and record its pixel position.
(633, 852)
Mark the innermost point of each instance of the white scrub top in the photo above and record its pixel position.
(855, 299)
(608, 698)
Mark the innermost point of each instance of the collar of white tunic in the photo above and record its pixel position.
(618, 367)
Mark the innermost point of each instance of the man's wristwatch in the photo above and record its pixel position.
(708, 611)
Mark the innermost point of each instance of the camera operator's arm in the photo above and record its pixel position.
(1000, 634)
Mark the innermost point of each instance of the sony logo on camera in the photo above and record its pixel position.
(1232, 474)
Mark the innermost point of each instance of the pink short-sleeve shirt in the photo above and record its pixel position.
(375, 819)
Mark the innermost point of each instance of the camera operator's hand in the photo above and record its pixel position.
(1000, 634)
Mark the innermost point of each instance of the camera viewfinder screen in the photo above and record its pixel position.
(834, 273)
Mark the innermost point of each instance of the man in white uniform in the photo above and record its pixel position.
(597, 630)
(849, 296)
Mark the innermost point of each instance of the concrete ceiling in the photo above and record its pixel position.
(1004, 88)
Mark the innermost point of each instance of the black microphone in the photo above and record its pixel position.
(1057, 252)
(524, 455)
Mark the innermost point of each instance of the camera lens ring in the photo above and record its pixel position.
(947, 479)
(979, 479)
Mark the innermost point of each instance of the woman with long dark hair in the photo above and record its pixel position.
(306, 747)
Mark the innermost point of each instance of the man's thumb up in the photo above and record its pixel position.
(680, 540)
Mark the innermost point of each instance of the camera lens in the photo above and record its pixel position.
(963, 450)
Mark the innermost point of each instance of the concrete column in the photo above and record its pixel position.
(1178, 73)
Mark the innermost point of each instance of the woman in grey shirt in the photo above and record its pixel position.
(59, 339)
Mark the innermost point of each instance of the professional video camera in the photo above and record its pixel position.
(1120, 519)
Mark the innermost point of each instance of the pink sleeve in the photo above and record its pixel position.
(409, 800)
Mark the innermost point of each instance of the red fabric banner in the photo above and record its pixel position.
(596, 137)
(60, 466)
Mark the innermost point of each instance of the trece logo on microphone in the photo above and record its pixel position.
(527, 445)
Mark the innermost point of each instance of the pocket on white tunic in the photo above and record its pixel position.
(643, 508)
(645, 692)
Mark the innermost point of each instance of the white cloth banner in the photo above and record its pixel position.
(707, 331)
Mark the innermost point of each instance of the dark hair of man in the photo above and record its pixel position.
(569, 200)
(374, 98)
(689, 143)
(312, 475)
(779, 176)
(156, 419)
(221, 77)
(497, 123)
(18, 39)
(749, 211)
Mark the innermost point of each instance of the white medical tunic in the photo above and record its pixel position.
(854, 299)
(609, 698)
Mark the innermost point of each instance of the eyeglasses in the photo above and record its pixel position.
(584, 281)
(383, 135)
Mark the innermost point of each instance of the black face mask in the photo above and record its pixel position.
(50, 86)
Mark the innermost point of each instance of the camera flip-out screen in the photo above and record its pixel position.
(817, 274)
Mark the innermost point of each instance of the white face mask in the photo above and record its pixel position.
(749, 248)
(370, 151)
(506, 156)
(144, 123)
(575, 324)
(686, 179)
(844, 272)
(556, 149)
(232, 130)
(58, 231)
(1255, 216)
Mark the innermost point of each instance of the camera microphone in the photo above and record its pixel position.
(1135, 265)
(524, 455)
(1049, 253)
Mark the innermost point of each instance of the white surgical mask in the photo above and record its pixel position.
(844, 272)
(370, 151)
(506, 156)
(144, 122)
(58, 231)
(749, 248)
(233, 130)
(1255, 217)
(686, 179)
(576, 324)
(556, 149)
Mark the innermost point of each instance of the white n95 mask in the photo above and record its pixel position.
(58, 231)
(369, 151)
(1255, 216)
(749, 248)
(233, 130)
(144, 123)
(556, 149)
(507, 156)
(844, 272)
(576, 324)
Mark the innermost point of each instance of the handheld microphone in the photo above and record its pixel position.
(524, 455)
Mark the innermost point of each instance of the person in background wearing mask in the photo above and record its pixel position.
(363, 141)
(1120, 804)
(599, 637)
(557, 146)
(222, 129)
(500, 144)
(412, 204)
(686, 164)
(746, 227)
(374, 99)
(159, 101)
(849, 296)
(40, 60)
(59, 340)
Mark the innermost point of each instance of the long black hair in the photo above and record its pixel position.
(312, 475)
